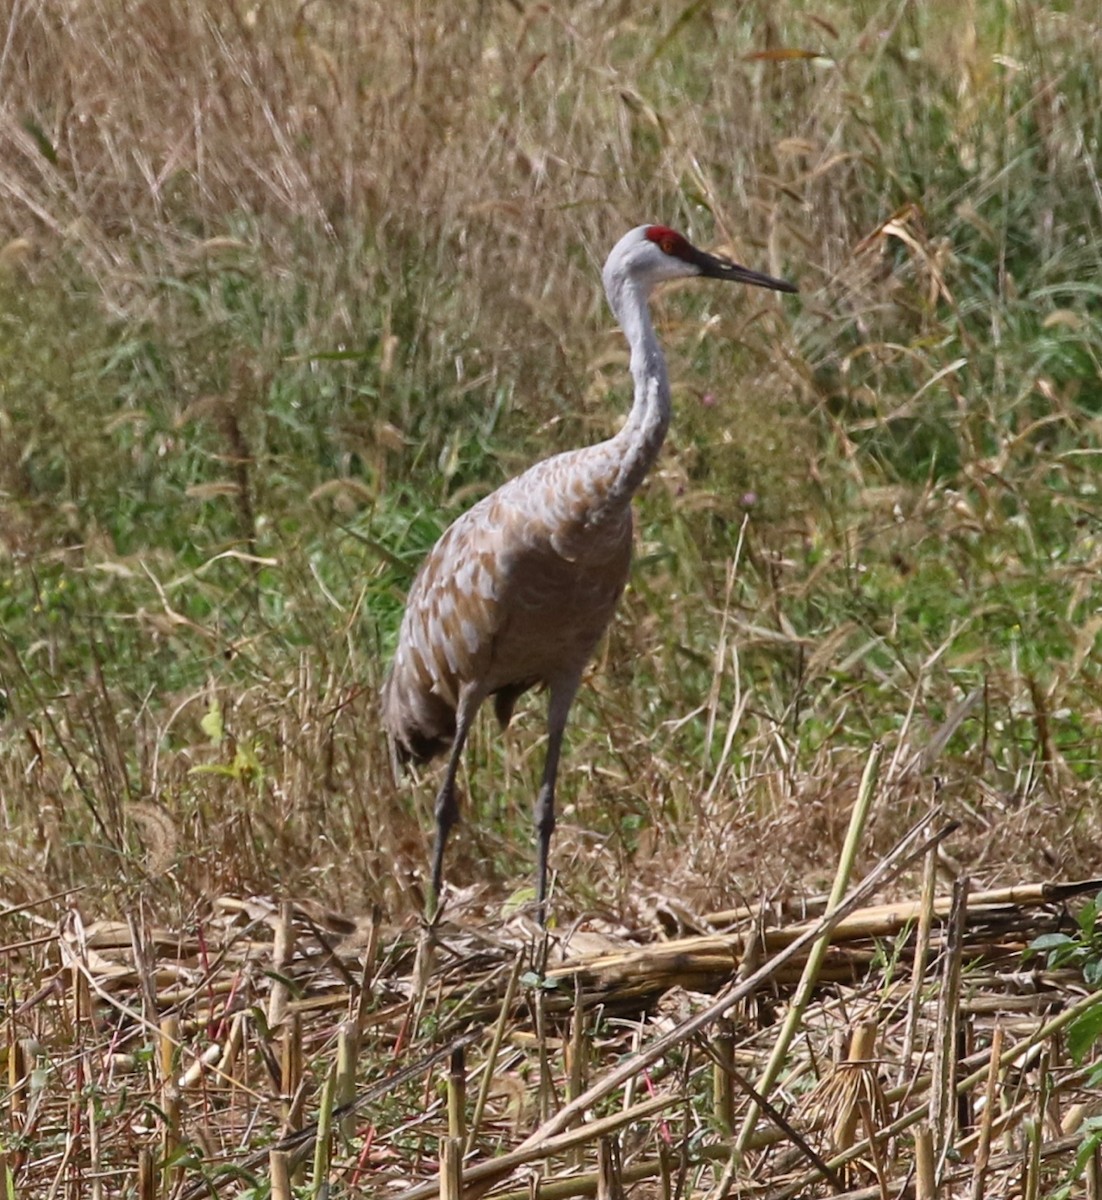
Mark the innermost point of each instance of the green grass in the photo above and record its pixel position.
(255, 360)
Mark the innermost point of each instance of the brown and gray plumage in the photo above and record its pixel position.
(519, 590)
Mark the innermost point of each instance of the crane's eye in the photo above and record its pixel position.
(669, 241)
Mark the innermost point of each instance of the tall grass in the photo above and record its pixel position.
(286, 287)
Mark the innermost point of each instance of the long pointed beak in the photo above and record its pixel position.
(714, 267)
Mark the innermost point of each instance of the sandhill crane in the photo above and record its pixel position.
(519, 589)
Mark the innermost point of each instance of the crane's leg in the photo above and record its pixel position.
(558, 709)
(447, 802)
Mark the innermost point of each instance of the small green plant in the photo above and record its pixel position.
(1088, 1147)
(1081, 950)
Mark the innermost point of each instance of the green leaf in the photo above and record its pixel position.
(533, 979)
(1091, 1131)
(1084, 1031)
(1048, 941)
(212, 724)
(227, 771)
(45, 146)
(519, 899)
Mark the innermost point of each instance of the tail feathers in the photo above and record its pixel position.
(420, 724)
(413, 746)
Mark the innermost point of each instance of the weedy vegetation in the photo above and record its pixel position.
(285, 287)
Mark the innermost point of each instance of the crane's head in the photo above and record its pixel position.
(652, 253)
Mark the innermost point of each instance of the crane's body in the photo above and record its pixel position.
(519, 589)
(519, 586)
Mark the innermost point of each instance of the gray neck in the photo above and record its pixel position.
(641, 438)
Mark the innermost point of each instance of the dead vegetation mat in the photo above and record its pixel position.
(790, 1049)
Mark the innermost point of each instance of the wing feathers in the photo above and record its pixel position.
(518, 589)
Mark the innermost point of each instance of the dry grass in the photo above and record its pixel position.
(282, 288)
(264, 1040)
(436, 209)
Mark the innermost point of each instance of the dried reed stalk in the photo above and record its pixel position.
(723, 1092)
(279, 1168)
(348, 1050)
(170, 1094)
(918, 965)
(457, 1095)
(610, 1184)
(282, 953)
(987, 1120)
(451, 1168)
(943, 1093)
(577, 1048)
(925, 1168)
(548, 1138)
(920, 1089)
(494, 1051)
(866, 793)
(147, 1174)
(324, 1137)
